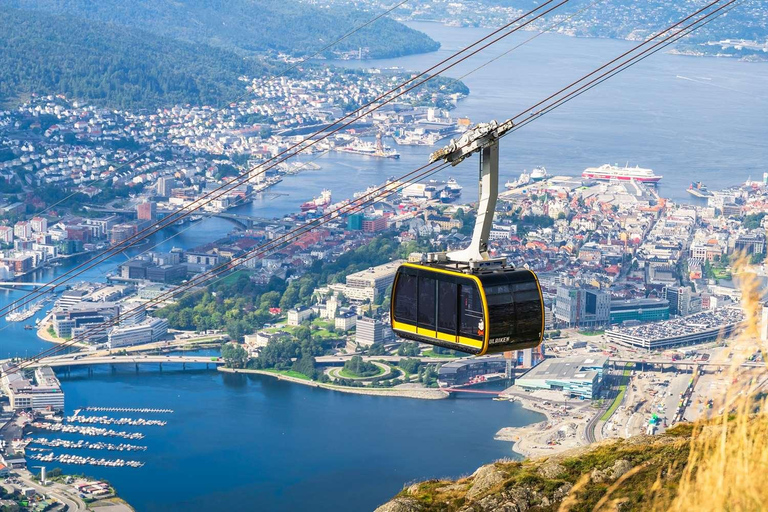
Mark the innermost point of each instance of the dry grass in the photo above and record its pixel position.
(727, 467)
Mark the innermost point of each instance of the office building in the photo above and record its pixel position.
(369, 331)
(82, 314)
(147, 331)
(457, 373)
(43, 393)
(369, 284)
(682, 300)
(574, 376)
(582, 307)
(639, 310)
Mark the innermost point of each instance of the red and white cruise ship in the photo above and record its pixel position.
(613, 172)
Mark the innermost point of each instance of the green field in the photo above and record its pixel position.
(619, 398)
(288, 373)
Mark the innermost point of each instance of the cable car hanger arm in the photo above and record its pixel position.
(483, 138)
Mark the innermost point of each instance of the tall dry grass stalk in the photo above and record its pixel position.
(727, 468)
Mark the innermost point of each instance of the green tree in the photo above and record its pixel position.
(234, 355)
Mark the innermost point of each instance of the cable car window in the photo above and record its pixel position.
(471, 311)
(427, 306)
(405, 298)
(501, 309)
(447, 299)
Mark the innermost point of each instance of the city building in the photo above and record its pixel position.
(462, 371)
(689, 330)
(147, 331)
(122, 232)
(146, 211)
(69, 298)
(82, 314)
(43, 393)
(582, 307)
(345, 321)
(639, 310)
(682, 300)
(751, 244)
(22, 229)
(574, 376)
(6, 234)
(165, 185)
(374, 224)
(369, 331)
(298, 315)
(39, 224)
(369, 284)
(764, 323)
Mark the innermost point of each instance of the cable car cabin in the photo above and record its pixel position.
(483, 312)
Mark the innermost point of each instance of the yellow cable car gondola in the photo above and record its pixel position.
(464, 300)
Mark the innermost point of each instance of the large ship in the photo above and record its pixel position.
(321, 201)
(538, 174)
(378, 149)
(614, 172)
(698, 189)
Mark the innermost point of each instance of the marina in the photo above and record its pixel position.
(87, 431)
(86, 445)
(86, 461)
(128, 409)
(105, 420)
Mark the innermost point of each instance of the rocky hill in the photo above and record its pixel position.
(615, 474)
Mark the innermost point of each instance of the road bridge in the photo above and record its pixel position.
(681, 363)
(24, 283)
(73, 360)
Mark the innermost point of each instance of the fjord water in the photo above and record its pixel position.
(252, 443)
(687, 118)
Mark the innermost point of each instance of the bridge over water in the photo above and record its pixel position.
(72, 361)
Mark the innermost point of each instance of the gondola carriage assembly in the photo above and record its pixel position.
(464, 300)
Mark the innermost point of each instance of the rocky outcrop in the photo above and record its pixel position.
(581, 476)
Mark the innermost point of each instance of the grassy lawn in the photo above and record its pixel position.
(722, 273)
(592, 333)
(289, 373)
(619, 397)
(349, 375)
(431, 353)
(323, 324)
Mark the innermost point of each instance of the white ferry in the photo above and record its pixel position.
(613, 172)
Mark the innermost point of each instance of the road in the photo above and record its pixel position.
(55, 490)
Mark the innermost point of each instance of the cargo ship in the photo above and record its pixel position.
(614, 172)
(321, 201)
(698, 189)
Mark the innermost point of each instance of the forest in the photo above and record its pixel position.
(112, 65)
(294, 28)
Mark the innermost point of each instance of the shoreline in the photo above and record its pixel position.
(42, 333)
(419, 394)
(558, 432)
